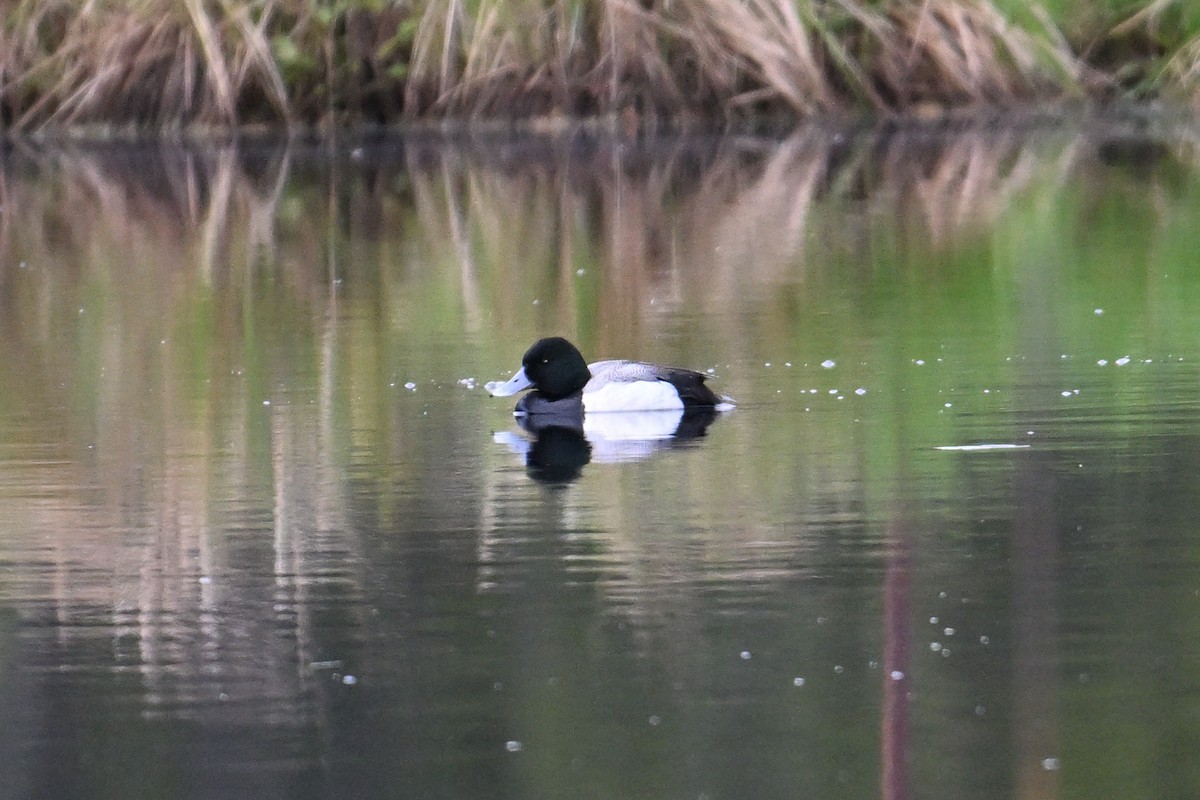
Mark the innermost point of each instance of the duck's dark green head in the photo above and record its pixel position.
(555, 367)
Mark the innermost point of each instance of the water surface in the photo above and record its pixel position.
(265, 534)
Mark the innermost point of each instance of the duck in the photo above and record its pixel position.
(565, 384)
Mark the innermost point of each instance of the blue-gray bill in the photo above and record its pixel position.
(511, 386)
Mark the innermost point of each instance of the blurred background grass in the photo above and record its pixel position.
(157, 64)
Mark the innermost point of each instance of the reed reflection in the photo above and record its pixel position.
(243, 444)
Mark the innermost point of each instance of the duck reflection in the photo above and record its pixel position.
(557, 447)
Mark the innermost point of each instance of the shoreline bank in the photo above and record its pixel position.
(156, 65)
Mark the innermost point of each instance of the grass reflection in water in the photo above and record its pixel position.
(259, 531)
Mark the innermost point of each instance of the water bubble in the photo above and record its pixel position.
(980, 711)
(933, 620)
(1050, 764)
(985, 640)
(829, 363)
(513, 746)
(349, 680)
(920, 362)
(655, 720)
(1122, 361)
(1102, 362)
(410, 386)
(839, 669)
(896, 675)
(1098, 311)
(949, 631)
(746, 655)
(860, 391)
(935, 646)
(797, 681)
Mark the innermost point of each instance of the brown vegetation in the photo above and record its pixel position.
(162, 65)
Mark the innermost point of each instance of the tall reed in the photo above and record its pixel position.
(162, 64)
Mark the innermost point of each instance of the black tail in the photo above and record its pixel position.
(691, 388)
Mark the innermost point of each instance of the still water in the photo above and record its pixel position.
(265, 535)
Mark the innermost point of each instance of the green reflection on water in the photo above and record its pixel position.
(244, 435)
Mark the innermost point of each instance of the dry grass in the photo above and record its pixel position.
(968, 53)
(1184, 67)
(141, 63)
(161, 64)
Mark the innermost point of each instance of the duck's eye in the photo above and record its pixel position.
(545, 361)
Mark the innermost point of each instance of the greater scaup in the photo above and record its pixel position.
(564, 383)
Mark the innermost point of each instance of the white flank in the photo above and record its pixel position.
(635, 396)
